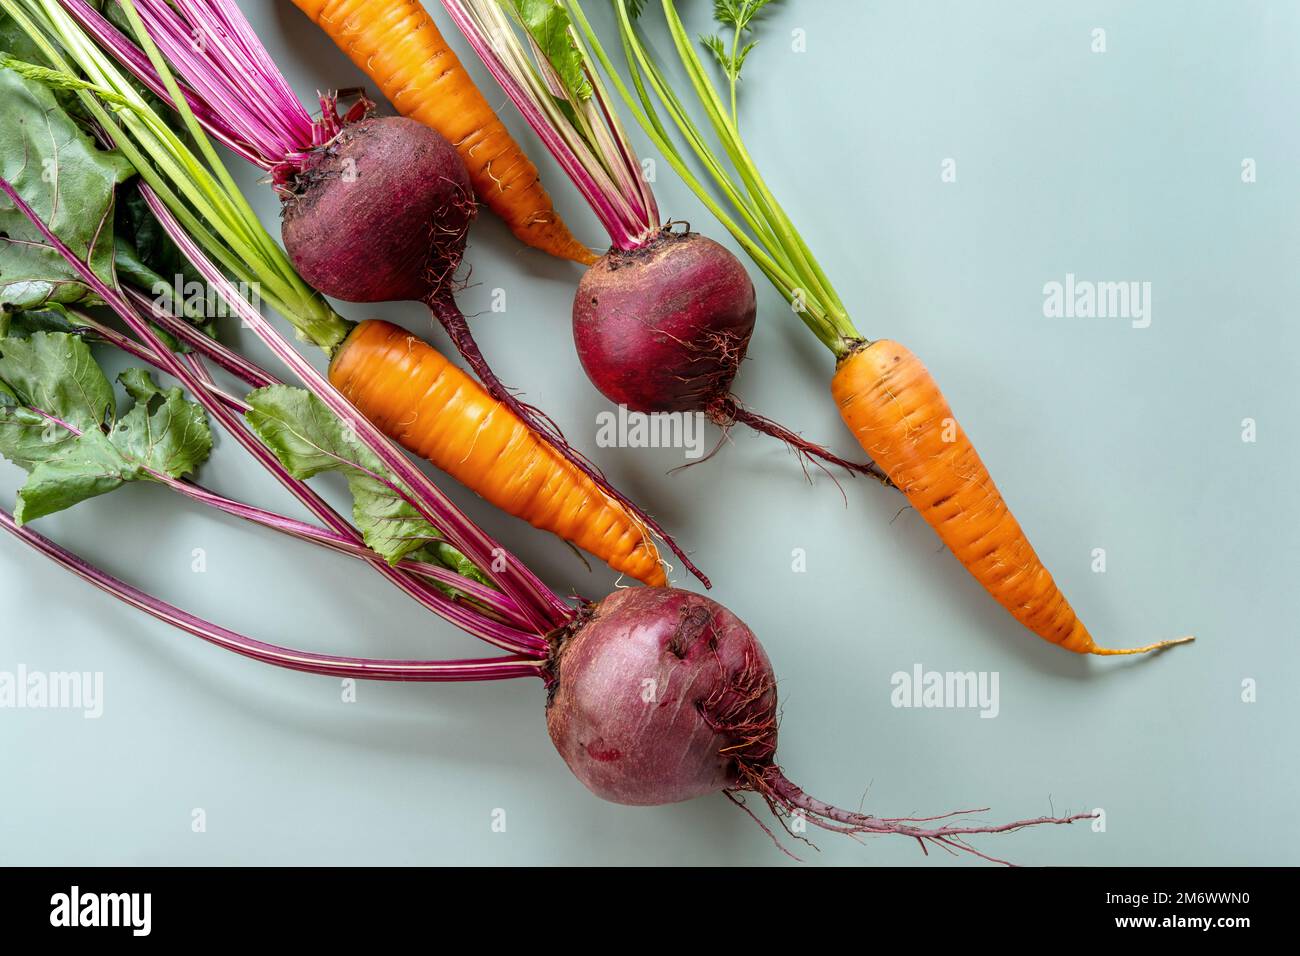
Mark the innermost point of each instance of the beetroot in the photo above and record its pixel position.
(380, 213)
(664, 327)
(660, 695)
(655, 692)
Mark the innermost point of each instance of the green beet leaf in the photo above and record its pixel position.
(440, 552)
(163, 431)
(68, 182)
(548, 24)
(86, 467)
(56, 373)
(58, 421)
(52, 318)
(309, 439)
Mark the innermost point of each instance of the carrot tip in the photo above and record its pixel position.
(1159, 645)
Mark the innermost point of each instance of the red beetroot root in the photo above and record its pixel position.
(379, 214)
(662, 695)
(663, 328)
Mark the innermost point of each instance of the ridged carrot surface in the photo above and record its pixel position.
(400, 48)
(419, 399)
(894, 408)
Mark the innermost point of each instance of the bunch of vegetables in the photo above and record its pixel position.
(710, 722)
(886, 397)
(374, 209)
(663, 320)
(400, 48)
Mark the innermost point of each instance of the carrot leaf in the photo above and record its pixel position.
(738, 16)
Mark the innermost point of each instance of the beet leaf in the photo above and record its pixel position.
(61, 425)
(62, 174)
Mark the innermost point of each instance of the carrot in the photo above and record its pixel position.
(894, 408)
(399, 47)
(419, 399)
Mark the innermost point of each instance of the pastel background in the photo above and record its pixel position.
(1123, 165)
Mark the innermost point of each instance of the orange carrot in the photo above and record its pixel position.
(419, 399)
(894, 407)
(399, 47)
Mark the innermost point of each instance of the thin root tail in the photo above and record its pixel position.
(1157, 646)
(727, 411)
(787, 801)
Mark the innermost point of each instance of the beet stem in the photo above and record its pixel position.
(498, 668)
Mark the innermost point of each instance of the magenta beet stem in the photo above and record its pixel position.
(145, 354)
(232, 85)
(622, 228)
(510, 633)
(135, 60)
(342, 543)
(247, 372)
(430, 597)
(345, 543)
(545, 608)
(348, 542)
(326, 664)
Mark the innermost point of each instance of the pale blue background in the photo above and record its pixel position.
(1117, 166)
